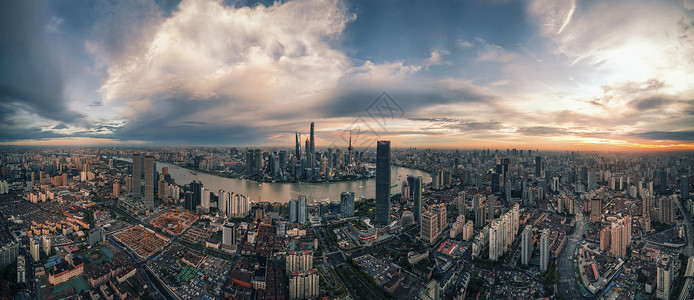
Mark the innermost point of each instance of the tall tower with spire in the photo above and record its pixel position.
(312, 149)
(313, 141)
(349, 149)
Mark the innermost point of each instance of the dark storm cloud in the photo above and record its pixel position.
(667, 135)
(168, 124)
(31, 77)
(650, 103)
(355, 102)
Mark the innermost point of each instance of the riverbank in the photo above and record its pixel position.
(269, 180)
(284, 191)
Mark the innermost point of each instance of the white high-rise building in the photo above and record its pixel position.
(299, 261)
(544, 250)
(664, 278)
(504, 229)
(526, 245)
(35, 248)
(240, 206)
(46, 241)
(205, 200)
(495, 240)
(303, 284)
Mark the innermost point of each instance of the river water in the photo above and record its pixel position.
(283, 192)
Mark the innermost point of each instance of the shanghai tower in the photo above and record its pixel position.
(382, 182)
(312, 149)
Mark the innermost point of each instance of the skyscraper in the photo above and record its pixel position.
(684, 182)
(229, 234)
(382, 182)
(526, 245)
(627, 230)
(538, 167)
(595, 209)
(666, 209)
(137, 175)
(405, 191)
(495, 182)
(480, 217)
(460, 203)
(416, 190)
(249, 161)
(347, 204)
(605, 239)
(293, 204)
(149, 181)
(302, 210)
(664, 278)
(496, 236)
(223, 201)
(491, 203)
(312, 150)
(544, 250)
(196, 190)
(618, 236)
(647, 204)
(298, 146)
(205, 201)
(428, 230)
(440, 209)
(35, 248)
(258, 161)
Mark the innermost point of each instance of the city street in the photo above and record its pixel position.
(567, 281)
(689, 248)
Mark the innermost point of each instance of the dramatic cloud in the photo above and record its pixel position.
(32, 80)
(546, 74)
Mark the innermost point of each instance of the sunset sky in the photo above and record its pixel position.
(574, 75)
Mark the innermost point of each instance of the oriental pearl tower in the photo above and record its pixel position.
(349, 149)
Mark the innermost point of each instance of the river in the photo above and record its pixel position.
(283, 192)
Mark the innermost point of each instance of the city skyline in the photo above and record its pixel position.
(548, 75)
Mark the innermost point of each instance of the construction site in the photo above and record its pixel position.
(143, 241)
(175, 220)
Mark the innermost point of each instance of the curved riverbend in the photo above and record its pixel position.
(283, 192)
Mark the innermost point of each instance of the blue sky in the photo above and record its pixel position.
(465, 74)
